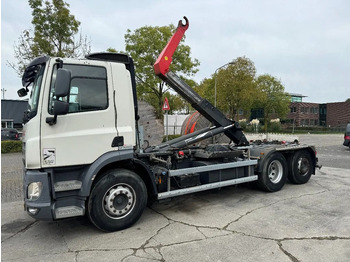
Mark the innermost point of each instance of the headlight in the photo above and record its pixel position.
(34, 190)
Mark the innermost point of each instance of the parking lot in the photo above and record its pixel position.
(308, 222)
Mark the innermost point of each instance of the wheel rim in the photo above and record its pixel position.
(275, 171)
(303, 166)
(119, 201)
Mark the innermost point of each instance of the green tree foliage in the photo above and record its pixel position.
(236, 89)
(178, 104)
(271, 98)
(144, 45)
(53, 33)
(206, 89)
(175, 102)
(112, 50)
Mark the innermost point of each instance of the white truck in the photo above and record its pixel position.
(82, 149)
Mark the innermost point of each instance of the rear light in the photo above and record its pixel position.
(347, 137)
(16, 136)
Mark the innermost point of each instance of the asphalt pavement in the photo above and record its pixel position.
(308, 222)
(330, 149)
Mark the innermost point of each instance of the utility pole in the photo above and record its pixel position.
(3, 90)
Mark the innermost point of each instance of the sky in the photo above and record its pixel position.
(303, 43)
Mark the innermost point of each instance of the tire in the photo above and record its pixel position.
(300, 168)
(274, 173)
(127, 194)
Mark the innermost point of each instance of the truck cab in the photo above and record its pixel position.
(63, 135)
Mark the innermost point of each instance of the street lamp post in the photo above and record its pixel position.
(229, 63)
(3, 90)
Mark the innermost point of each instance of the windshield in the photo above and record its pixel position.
(34, 94)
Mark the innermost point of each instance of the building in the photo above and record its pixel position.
(12, 112)
(322, 114)
(304, 114)
(338, 114)
(296, 97)
(315, 114)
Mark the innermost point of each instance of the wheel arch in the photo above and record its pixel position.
(113, 160)
(264, 156)
(144, 172)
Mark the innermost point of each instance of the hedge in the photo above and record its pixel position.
(11, 146)
(170, 137)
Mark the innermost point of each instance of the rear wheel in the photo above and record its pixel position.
(117, 200)
(274, 173)
(300, 169)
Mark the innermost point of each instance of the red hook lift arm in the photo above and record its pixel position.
(161, 66)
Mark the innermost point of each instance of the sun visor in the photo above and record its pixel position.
(32, 69)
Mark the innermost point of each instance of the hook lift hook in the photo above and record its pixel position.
(161, 66)
(185, 26)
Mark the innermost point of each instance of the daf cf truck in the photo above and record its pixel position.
(82, 147)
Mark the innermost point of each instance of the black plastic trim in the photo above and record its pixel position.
(31, 70)
(118, 141)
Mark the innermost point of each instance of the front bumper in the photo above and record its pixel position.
(43, 205)
(50, 204)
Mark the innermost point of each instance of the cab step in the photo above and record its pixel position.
(69, 211)
(67, 185)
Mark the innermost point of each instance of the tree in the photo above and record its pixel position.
(236, 87)
(272, 98)
(112, 50)
(53, 34)
(206, 89)
(144, 45)
(178, 104)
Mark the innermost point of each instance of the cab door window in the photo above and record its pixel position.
(88, 91)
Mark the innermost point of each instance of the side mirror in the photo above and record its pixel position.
(60, 108)
(22, 92)
(62, 84)
(62, 87)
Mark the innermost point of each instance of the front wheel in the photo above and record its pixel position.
(300, 169)
(117, 200)
(274, 173)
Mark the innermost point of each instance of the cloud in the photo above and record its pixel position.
(306, 44)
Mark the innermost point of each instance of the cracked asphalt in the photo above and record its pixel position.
(308, 222)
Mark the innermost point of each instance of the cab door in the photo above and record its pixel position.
(86, 132)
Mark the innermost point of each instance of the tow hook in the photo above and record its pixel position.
(317, 164)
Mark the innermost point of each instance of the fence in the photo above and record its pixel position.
(174, 124)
